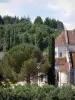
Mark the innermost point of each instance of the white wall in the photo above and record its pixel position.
(60, 49)
(56, 52)
(43, 82)
(72, 48)
(63, 78)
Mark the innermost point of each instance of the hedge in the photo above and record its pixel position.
(33, 92)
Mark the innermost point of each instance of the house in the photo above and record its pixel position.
(65, 57)
(42, 79)
(2, 55)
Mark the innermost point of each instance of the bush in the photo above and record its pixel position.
(44, 91)
(66, 93)
(33, 92)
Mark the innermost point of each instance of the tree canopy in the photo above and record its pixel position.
(24, 43)
(14, 30)
(20, 61)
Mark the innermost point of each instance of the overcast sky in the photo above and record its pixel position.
(63, 10)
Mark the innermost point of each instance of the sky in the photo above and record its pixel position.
(63, 10)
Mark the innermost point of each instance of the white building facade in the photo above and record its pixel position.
(64, 48)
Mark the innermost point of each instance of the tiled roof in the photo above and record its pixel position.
(61, 40)
(71, 36)
(64, 68)
(64, 63)
(60, 61)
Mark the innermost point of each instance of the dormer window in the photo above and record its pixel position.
(60, 54)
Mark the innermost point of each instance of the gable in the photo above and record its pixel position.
(61, 39)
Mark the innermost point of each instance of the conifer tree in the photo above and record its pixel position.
(51, 58)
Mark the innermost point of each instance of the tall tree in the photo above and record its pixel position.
(51, 58)
(60, 25)
(29, 70)
(54, 24)
(38, 20)
(1, 20)
(47, 21)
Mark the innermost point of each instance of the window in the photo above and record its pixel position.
(41, 78)
(60, 54)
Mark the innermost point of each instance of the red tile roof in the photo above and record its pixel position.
(60, 61)
(64, 64)
(64, 68)
(61, 40)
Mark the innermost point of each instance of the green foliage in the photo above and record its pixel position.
(52, 23)
(14, 30)
(21, 60)
(66, 93)
(1, 21)
(38, 20)
(51, 51)
(45, 66)
(29, 69)
(33, 92)
(51, 59)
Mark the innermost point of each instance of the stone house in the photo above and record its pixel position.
(65, 58)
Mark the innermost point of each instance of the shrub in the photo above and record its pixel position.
(34, 92)
(53, 94)
(45, 92)
(66, 93)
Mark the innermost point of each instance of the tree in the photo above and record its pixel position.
(29, 69)
(1, 21)
(41, 33)
(23, 56)
(45, 65)
(51, 59)
(20, 30)
(38, 20)
(60, 25)
(54, 24)
(47, 21)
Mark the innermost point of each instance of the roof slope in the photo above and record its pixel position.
(71, 36)
(61, 40)
(60, 61)
(64, 68)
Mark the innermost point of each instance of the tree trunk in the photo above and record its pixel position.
(28, 79)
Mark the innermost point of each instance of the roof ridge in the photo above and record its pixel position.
(61, 40)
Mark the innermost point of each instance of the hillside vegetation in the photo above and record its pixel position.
(14, 30)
